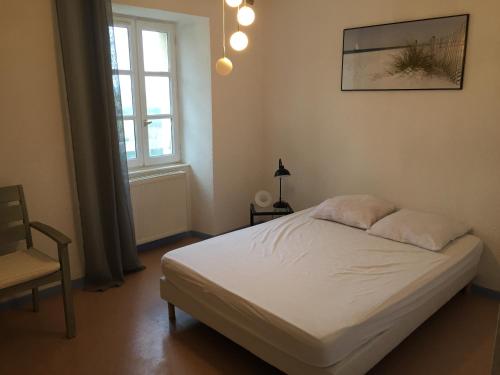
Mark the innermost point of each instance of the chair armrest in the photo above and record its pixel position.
(50, 232)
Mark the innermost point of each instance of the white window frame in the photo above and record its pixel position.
(135, 25)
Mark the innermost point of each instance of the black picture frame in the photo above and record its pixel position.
(459, 86)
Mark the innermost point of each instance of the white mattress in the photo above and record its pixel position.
(315, 290)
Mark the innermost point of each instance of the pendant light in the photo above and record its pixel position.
(234, 3)
(246, 15)
(239, 41)
(224, 66)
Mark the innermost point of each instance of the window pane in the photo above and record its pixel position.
(122, 47)
(129, 128)
(126, 94)
(155, 49)
(158, 95)
(160, 138)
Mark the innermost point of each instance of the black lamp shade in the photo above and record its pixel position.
(281, 171)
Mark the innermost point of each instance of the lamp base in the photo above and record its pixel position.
(281, 204)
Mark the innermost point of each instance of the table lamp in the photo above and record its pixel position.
(280, 173)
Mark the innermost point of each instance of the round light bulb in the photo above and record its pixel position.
(224, 66)
(234, 3)
(239, 41)
(246, 16)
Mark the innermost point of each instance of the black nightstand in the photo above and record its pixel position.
(257, 211)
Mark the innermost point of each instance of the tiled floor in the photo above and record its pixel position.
(126, 331)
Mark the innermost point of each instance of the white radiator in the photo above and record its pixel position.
(160, 205)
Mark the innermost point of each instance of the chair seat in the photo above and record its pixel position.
(25, 265)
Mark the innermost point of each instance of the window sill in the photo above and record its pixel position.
(150, 172)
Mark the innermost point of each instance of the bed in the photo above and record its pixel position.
(314, 296)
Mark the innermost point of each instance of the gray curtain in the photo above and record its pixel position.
(98, 141)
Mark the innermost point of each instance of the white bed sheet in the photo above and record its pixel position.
(315, 290)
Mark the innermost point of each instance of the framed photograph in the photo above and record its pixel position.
(426, 54)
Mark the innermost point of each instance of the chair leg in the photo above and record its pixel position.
(69, 311)
(171, 311)
(35, 299)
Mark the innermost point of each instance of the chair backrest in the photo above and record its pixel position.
(14, 221)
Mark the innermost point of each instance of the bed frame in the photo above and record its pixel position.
(358, 362)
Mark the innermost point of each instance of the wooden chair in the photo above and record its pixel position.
(26, 269)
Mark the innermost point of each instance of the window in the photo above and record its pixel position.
(145, 54)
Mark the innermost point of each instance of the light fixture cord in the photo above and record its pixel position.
(237, 22)
(224, 27)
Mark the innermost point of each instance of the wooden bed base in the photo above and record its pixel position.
(358, 362)
(171, 311)
(467, 289)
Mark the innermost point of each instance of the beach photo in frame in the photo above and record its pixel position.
(426, 54)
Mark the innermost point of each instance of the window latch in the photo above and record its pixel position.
(147, 123)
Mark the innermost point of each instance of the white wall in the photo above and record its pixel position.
(195, 95)
(33, 147)
(437, 151)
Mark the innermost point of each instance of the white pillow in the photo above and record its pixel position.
(359, 211)
(430, 231)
